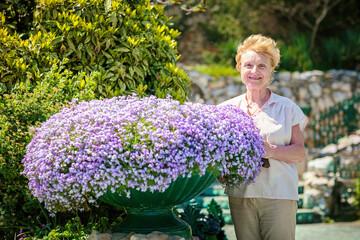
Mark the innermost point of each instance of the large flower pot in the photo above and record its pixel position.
(154, 211)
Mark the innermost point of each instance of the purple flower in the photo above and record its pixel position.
(126, 142)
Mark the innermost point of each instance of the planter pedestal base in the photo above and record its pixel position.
(140, 220)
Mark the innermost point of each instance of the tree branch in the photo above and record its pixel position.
(196, 5)
(325, 9)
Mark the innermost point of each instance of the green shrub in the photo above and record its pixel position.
(294, 53)
(19, 14)
(225, 56)
(28, 105)
(21, 60)
(341, 52)
(204, 226)
(128, 42)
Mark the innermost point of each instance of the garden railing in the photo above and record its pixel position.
(337, 121)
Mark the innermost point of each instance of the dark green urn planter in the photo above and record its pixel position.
(148, 212)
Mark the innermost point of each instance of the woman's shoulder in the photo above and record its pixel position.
(283, 100)
(233, 101)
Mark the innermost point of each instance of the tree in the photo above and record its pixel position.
(308, 13)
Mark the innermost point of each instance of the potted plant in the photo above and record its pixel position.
(144, 154)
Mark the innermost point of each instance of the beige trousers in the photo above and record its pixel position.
(263, 219)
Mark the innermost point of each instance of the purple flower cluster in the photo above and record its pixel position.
(126, 142)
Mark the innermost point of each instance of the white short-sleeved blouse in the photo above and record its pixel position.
(275, 121)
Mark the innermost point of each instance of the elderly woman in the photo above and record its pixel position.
(267, 208)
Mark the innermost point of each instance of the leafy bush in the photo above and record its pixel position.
(204, 226)
(294, 54)
(19, 13)
(341, 52)
(225, 55)
(128, 42)
(22, 60)
(73, 229)
(28, 105)
(192, 215)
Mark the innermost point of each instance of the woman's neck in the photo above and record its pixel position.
(255, 100)
(258, 97)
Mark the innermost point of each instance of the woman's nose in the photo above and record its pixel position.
(254, 69)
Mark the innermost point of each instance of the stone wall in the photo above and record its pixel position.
(331, 175)
(317, 89)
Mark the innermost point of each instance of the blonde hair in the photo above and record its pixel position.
(260, 44)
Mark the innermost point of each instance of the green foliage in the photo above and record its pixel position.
(215, 209)
(107, 48)
(21, 60)
(294, 54)
(217, 70)
(195, 219)
(74, 229)
(129, 43)
(224, 56)
(28, 105)
(205, 227)
(292, 23)
(19, 13)
(357, 195)
(341, 52)
(231, 19)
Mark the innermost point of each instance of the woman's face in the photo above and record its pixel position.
(255, 70)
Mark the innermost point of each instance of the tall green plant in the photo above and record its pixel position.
(294, 53)
(342, 51)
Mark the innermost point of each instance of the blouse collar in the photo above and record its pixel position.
(242, 103)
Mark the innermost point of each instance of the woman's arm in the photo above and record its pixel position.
(292, 153)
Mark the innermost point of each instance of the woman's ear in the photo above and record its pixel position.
(238, 67)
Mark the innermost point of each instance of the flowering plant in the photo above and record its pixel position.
(125, 142)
